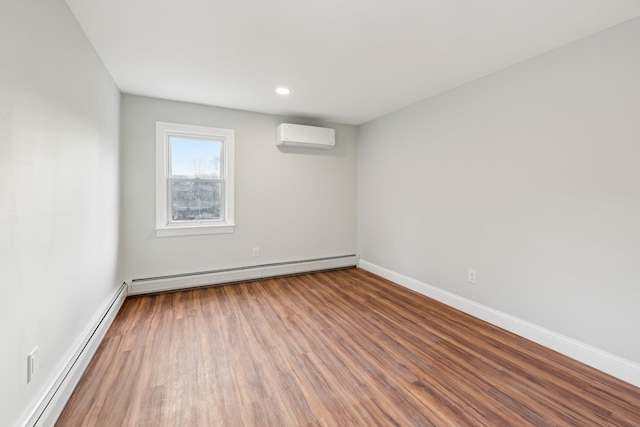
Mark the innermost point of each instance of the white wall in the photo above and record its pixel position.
(531, 177)
(294, 205)
(58, 194)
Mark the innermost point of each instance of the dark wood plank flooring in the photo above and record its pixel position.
(339, 348)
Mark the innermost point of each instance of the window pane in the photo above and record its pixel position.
(195, 158)
(196, 201)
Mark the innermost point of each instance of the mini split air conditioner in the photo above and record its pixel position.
(305, 136)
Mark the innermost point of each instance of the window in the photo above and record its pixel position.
(194, 180)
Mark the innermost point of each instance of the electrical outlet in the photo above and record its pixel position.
(256, 252)
(33, 364)
(471, 276)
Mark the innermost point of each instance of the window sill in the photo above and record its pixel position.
(194, 230)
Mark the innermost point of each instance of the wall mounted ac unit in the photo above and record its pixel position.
(305, 136)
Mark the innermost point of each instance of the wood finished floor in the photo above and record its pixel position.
(340, 348)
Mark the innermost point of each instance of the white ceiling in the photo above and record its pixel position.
(345, 61)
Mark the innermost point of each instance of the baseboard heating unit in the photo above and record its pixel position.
(239, 274)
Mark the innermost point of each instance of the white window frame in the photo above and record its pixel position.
(164, 226)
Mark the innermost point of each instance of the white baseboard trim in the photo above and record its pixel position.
(611, 364)
(54, 397)
(241, 274)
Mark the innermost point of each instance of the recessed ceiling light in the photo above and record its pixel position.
(283, 91)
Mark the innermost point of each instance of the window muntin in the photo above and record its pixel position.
(194, 179)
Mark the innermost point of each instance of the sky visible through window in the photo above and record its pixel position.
(195, 158)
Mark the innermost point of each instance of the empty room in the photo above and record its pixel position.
(338, 213)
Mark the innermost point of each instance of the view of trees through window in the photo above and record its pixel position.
(196, 179)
